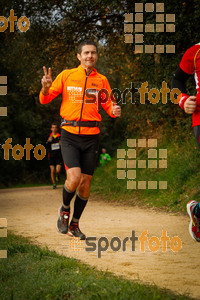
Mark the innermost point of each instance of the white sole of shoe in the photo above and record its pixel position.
(190, 225)
(70, 234)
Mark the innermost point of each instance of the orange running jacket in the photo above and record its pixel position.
(80, 97)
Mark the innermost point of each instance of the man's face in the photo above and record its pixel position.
(88, 56)
(54, 129)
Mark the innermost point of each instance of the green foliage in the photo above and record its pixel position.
(182, 175)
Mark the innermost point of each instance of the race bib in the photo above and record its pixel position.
(55, 146)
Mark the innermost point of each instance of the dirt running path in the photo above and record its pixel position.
(32, 212)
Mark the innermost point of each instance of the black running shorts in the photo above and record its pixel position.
(55, 160)
(79, 151)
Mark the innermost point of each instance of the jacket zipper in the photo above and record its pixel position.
(83, 100)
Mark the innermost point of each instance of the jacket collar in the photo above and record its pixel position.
(81, 69)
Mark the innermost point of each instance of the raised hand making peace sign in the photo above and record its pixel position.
(46, 81)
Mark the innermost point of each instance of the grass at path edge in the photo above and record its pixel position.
(31, 272)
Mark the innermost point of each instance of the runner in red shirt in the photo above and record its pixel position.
(83, 91)
(54, 154)
(190, 65)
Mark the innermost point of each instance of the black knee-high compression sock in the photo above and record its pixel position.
(67, 197)
(79, 205)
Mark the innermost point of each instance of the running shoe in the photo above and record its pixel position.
(63, 221)
(75, 231)
(54, 186)
(194, 226)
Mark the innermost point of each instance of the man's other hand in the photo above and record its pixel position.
(116, 110)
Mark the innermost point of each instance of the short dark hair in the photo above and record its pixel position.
(54, 124)
(86, 42)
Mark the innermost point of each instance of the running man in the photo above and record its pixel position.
(82, 93)
(190, 65)
(104, 157)
(54, 153)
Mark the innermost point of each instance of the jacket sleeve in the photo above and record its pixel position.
(108, 156)
(179, 81)
(108, 99)
(55, 89)
(186, 68)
